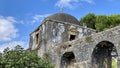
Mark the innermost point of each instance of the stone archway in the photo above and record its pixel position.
(102, 55)
(67, 60)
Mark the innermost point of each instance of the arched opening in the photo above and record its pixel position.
(67, 60)
(72, 34)
(103, 55)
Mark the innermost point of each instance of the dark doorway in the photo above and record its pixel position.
(72, 37)
(102, 55)
(37, 37)
(67, 59)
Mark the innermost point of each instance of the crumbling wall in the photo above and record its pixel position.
(83, 47)
(52, 32)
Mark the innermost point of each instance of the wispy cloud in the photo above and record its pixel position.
(67, 3)
(12, 45)
(7, 28)
(39, 18)
(71, 3)
(33, 19)
(88, 1)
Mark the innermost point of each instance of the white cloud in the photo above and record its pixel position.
(88, 1)
(7, 28)
(39, 18)
(31, 19)
(12, 45)
(67, 3)
(71, 3)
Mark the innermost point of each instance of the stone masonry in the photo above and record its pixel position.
(68, 45)
(83, 47)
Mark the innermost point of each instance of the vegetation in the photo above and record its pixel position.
(88, 20)
(100, 22)
(88, 39)
(20, 58)
(114, 63)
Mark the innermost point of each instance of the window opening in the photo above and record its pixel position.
(72, 37)
(37, 37)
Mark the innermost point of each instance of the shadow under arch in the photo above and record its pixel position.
(102, 55)
(67, 60)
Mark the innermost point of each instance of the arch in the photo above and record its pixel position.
(67, 60)
(102, 55)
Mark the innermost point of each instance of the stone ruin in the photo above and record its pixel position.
(64, 42)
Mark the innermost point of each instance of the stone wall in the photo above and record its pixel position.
(83, 47)
(52, 32)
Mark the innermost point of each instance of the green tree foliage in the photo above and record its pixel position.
(100, 22)
(88, 20)
(20, 58)
(114, 19)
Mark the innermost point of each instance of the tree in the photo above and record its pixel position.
(20, 58)
(102, 23)
(115, 20)
(88, 20)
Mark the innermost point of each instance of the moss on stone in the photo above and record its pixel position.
(88, 39)
(114, 64)
(46, 55)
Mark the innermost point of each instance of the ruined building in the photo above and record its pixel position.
(61, 39)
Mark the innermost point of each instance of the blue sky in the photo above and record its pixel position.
(18, 18)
